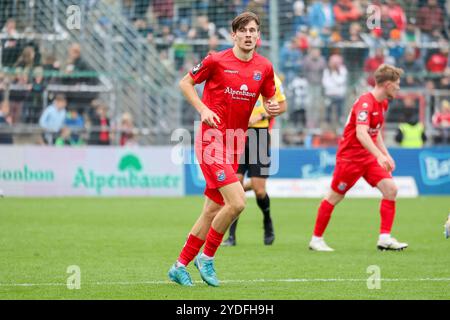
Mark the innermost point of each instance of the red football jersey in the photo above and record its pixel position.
(231, 90)
(366, 111)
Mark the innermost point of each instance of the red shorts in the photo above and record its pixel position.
(218, 171)
(346, 174)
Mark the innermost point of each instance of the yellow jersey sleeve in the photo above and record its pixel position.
(259, 108)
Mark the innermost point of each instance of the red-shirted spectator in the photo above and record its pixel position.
(437, 63)
(441, 121)
(372, 63)
(163, 10)
(101, 126)
(346, 11)
(397, 14)
(430, 17)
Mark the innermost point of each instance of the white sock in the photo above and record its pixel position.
(314, 238)
(179, 264)
(385, 236)
(204, 256)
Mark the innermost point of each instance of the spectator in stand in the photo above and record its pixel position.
(50, 65)
(5, 123)
(222, 13)
(75, 122)
(53, 117)
(100, 134)
(33, 104)
(74, 64)
(387, 24)
(290, 60)
(346, 12)
(26, 60)
(396, 13)
(335, 85)
(411, 36)
(302, 39)
(441, 121)
(259, 7)
(396, 47)
(65, 138)
(327, 137)
(128, 9)
(414, 69)
(372, 63)
(300, 18)
(11, 46)
(410, 132)
(314, 65)
(321, 17)
(141, 27)
(437, 62)
(444, 82)
(19, 92)
(430, 20)
(355, 33)
(202, 30)
(163, 11)
(127, 130)
(167, 38)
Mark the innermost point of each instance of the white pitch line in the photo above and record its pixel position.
(132, 283)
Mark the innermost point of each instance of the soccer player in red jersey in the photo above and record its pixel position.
(234, 80)
(362, 153)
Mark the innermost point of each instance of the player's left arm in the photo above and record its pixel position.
(384, 150)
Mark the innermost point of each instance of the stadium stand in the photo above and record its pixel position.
(128, 56)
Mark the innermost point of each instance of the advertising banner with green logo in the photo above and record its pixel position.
(90, 171)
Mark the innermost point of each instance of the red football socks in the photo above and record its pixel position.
(323, 217)
(387, 211)
(190, 249)
(213, 241)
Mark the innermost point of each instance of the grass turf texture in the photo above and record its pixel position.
(125, 247)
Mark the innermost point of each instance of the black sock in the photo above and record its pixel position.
(233, 229)
(264, 205)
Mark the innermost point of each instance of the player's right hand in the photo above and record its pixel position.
(272, 108)
(210, 118)
(384, 162)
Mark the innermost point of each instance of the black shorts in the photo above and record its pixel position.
(256, 159)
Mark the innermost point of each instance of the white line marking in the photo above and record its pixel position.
(132, 283)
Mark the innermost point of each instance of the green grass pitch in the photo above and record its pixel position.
(124, 248)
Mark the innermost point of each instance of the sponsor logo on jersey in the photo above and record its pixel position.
(196, 68)
(362, 115)
(220, 175)
(241, 94)
(231, 71)
(342, 186)
(374, 113)
(257, 75)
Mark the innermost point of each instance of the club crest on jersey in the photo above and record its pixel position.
(196, 68)
(257, 75)
(220, 175)
(342, 186)
(362, 116)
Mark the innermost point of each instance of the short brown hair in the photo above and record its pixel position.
(243, 19)
(386, 72)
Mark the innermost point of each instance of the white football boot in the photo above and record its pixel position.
(391, 244)
(319, 244)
